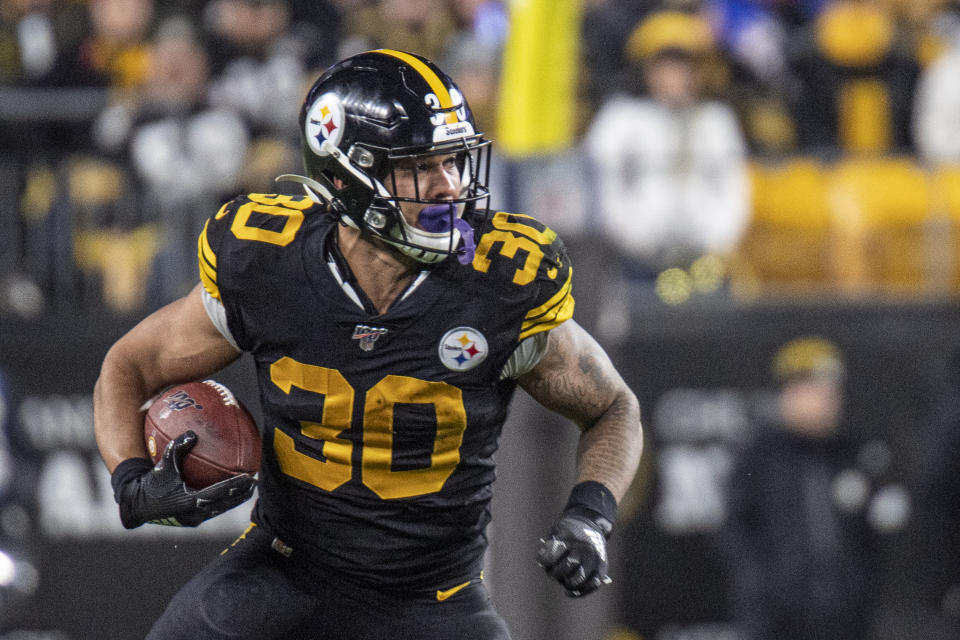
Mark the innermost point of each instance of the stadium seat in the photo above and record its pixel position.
(786, 246)
(946, 211)
(881, 212)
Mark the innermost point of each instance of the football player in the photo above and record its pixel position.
(390, 316)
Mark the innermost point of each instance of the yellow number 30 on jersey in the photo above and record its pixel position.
(335, 467)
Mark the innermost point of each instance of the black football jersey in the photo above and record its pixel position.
(380, 429)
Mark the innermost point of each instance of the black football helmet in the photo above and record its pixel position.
(378, 110)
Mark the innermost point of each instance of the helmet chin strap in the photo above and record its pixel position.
(317, 192)
(321, 194)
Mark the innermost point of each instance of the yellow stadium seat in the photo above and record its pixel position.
(864, 225)
(946, 209)
(786, 245)
(946, 192)
(881, 211)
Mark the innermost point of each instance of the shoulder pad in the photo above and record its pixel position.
(521, 249)
(263, 218)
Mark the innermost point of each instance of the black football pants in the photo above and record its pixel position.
(254, 592)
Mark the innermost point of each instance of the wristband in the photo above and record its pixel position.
(126, 471)
(595, 497)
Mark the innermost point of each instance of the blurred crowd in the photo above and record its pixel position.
(717, 148)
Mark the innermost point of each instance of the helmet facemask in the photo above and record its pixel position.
(439, 229)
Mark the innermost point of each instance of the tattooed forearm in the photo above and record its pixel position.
(576, 379)
(609, 452)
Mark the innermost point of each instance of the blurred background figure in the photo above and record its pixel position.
(930, 578)
(115, 52)
(185, 156)
(936, 125)
(263, 53)
(858, 59)
(757, 39)
(259, 60)
(803, 515)
(39, 41)
(423, 26)
(670, 168)
(473, 52)
(755, 33)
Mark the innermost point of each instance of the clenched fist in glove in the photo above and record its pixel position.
(158, 494)
(575, 551)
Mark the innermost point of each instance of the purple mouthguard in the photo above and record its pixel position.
(469, 246)
(436, 219)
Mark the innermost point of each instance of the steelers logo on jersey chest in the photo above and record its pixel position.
(462, 349)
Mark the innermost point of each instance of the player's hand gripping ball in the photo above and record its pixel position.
(227, 438)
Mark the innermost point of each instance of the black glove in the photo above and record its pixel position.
(158, 494)
(575, 551)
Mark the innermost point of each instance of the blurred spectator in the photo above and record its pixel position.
(931, 584)
(755, 40)
(180, 147)
(671, 172)
(606, 26)
(751, 33)
(856, 71)
(40, 49)
(757, 33)
(486, 21)
(422, 26)
(113, 238)
(38, 41)
(935, 122)
(802, 510)
(262, 55)
(116, 51)
(472, 54)
(258, 64)
(186, 156)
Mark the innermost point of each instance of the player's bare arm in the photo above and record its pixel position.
(576, 379)
(177, 343)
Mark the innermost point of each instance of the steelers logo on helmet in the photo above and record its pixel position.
(324, 122)
(462, 349)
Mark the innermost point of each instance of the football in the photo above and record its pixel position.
(228, 441)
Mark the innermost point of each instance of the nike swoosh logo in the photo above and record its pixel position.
(446, 593)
